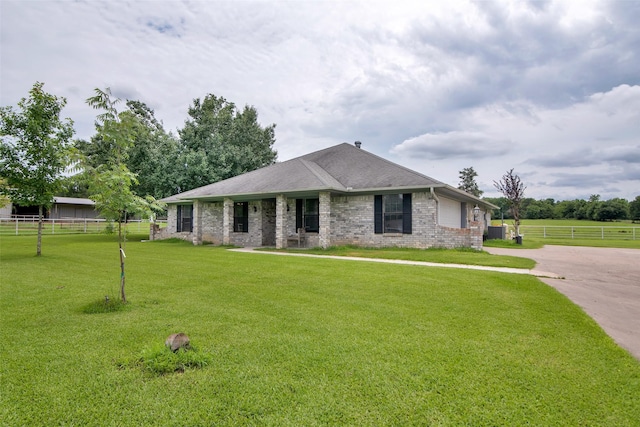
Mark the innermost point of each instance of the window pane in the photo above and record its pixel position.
(311, 220)
(312, 206)
(241, 217)
(393, 223)
(393, 203)
(392, 213)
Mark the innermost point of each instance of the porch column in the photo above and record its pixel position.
(227, 221)
(475, 235)
(197, 222)
(324, 232)
(281, 221)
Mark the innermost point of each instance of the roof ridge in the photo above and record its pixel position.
(395, 164)
(313, 166)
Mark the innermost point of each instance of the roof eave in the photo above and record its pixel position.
(342, 191)
(470, 196)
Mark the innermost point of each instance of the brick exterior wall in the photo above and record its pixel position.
(343, 220)
(324, 234)
(212, 231)
(352, 222)
(281, 221)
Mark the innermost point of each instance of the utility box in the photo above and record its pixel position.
(496, 232)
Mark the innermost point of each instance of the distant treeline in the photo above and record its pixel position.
(593, 209)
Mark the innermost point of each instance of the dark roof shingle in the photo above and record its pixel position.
(341, 168)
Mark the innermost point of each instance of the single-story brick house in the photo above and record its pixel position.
(337, 196)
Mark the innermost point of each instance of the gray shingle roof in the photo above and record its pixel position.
(342, 168)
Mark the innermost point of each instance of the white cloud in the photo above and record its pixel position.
(596, 138)
(550, 88)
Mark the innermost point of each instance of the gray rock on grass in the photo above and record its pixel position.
(177, 341)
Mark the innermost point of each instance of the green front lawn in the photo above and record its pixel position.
(295, 341)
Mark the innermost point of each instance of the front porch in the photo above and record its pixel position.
(267, 222)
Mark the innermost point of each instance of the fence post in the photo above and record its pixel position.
(16, 226)
(572, 232)
(544, 232)
(53, 226)
(602, 231)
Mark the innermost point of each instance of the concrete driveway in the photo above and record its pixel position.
(605, 282)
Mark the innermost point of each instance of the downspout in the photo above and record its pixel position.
(435, 197)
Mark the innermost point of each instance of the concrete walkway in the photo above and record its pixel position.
(604, 282)
(535, 272)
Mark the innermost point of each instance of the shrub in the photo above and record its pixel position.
(160, 360)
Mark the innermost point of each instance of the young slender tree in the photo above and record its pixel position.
(468, 181)
(110, 183)
(35, 150)
(512, 188)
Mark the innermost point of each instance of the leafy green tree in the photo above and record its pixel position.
(503, 207)
(468, 181)
(219, 142)
(567, 209)
(4, 200)
(634, 209)
(612, 210)
(110, 184)
(538, 209)
(153, 155)
(512, 188)
(593, 206)
(35, 151)
(74, 186)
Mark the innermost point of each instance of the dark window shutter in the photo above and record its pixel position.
(179, 219)
(298, 214)
(245, 217)
(191, 219)
(406, 213)
(377, 208)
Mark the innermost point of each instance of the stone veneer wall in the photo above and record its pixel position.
(351, 219)
(157, 233)
(254, 235)
(352, 222)
(211, 218)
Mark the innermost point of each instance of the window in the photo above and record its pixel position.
(185, 218)
(241, 217)
(392, 213)
(308, 214)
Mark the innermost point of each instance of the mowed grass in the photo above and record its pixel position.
(296, 341)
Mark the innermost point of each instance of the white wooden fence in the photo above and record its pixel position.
(585, 232)
(25, 225)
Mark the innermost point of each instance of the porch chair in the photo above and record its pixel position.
(300, 238)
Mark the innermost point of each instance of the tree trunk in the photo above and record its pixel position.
(39, 244)
(122, 256)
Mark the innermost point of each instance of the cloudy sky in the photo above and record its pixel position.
(549, 88)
